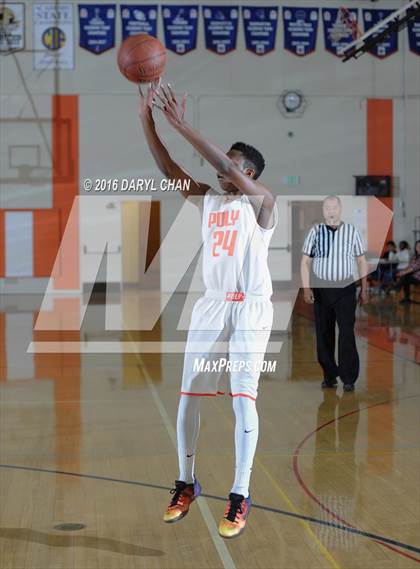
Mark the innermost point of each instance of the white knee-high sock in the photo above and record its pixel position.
(187, 428)
(246, 437)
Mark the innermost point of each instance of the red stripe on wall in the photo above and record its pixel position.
(380, 153)
(49, 225)
(379, 137)
(46, 240)
(3, 353)
(65, 151)
(2, 247)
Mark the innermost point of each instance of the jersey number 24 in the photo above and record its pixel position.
(224, 240)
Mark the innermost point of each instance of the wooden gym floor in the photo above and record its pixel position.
(90, 439)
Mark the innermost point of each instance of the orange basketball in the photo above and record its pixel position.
(141, 58)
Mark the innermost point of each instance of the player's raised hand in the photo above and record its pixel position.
(146, 100)
(173, 110)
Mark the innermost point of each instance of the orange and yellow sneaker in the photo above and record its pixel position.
(235, 516)
(183, 496)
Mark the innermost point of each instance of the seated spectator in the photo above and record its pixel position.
(390, 251)
(410, 275)
(403, 255)
(385, 273)
(388, 271)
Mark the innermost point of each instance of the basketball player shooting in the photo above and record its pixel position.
(238, 221)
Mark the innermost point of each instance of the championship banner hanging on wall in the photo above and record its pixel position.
(139, 20)
(338, 33)
(260, 28)
(97, 27)
(220, 28)
(12, 27)
(300, 29)
(53, 36)
(390, 44)
(180, 25)
(413, 28)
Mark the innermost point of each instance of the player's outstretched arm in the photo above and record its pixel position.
(163, 159)
(174, 112)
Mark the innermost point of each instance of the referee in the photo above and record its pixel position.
(330, 248)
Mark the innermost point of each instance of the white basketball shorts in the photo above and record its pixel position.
(228, 332)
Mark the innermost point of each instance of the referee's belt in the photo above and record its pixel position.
(235, 296)
(330, 283)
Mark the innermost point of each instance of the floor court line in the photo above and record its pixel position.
(345, 527)
(218, 542)
(323, 550)
(256, 506)
(306, 489)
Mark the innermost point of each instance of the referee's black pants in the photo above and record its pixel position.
(336, 306)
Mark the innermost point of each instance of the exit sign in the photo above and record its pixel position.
(291, 180)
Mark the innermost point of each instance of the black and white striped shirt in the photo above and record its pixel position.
(333, 250)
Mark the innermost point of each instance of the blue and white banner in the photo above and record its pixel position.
(140, 19)
(180, 25)
(414, 35)
(337, 33)
(260, 27)
(390, 44)
(53, 42)
(97, 27)
(221, 28)
(12, 27)
(300, 29)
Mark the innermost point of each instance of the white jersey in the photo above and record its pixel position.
(235, 246)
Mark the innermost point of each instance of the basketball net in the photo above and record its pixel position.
(345, 25)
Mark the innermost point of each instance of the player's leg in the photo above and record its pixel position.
(197, 382)
(187, 429)
(252, 323)
(187, 488)
(246, 437)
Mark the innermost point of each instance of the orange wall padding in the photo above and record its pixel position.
(49, 225)
(3, 353)
(380, 152)
(46, 240)
(65, 150)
